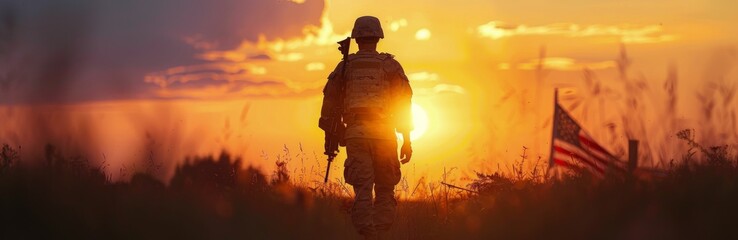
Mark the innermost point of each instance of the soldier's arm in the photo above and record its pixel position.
(403, 112)
(403, 103)
(330, 97)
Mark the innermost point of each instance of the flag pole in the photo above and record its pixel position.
(553, 132)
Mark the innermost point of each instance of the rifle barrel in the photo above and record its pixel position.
(332, 138)
(328, 169)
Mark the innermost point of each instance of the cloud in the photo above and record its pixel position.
(287, 52)
(397, 24)
(282, 49)
(625, 33)
(214, 89)
(82, 50)
(560, 63)
(423, 34)
(289, 57)
(423, 77)
(440, 88)
(222, 81)
(315, 66)
(429, 83)
(184, 74)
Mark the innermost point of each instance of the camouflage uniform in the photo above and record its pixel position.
(376, 104)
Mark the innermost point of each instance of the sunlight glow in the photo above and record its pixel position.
(420, 120)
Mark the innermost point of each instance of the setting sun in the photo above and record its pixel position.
(420, 120)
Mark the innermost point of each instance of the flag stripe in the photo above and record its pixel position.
(604, 162)
(587, 141)
(578, 157)
(609, 163)
(580, 152)
(600, 154)
(595, 156)
(572, 145)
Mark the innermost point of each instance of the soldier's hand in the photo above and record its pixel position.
(405, 153)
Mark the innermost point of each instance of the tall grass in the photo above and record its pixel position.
(217, 197)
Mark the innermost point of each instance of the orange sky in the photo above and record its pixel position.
(252, 87)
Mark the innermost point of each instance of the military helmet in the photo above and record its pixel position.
(367, 26)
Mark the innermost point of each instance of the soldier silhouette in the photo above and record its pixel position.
(375, 95)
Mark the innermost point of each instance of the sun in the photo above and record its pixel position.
(420, 120)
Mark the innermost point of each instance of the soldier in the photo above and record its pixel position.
(376, 103)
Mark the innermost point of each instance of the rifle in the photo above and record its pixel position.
(334, 135)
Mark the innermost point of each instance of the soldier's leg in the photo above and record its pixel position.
(359, 173)
(387, 175)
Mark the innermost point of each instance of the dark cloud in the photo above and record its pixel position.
(218, 84)
(66, 50)
(260, 57)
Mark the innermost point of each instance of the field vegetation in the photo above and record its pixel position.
(215, 197)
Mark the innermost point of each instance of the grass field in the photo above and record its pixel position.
(218, 198)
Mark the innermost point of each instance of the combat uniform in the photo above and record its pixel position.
(377, 100)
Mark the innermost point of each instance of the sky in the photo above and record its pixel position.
(119, 82)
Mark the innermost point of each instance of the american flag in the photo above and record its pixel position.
(573, 148)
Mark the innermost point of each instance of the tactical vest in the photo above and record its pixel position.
(367, 87)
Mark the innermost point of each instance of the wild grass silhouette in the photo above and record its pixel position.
(217, 197)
